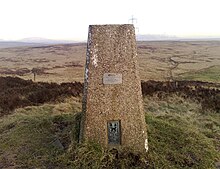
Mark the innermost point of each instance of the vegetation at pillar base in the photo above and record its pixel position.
(181, 135)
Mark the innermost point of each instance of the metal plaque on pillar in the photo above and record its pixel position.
(114, 132)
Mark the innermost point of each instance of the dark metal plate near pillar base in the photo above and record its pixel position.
(114, 132)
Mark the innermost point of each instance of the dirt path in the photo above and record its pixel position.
(172, 65)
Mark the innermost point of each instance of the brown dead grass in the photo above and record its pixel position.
(165, 60)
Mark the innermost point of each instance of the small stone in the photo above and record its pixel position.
(58, 144)
(217, 165)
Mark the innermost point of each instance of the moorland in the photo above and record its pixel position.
(39, 118)
(159, 60)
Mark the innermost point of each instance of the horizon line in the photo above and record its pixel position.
(162, 36)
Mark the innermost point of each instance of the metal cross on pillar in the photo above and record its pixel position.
(133, 20)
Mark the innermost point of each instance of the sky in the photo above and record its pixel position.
(69, 19)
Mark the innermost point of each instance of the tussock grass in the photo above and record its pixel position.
(35, 136)
(173, 146)
(181, 135)
(92, 155)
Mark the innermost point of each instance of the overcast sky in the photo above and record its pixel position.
(69, 19)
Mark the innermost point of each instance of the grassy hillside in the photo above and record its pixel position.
(210, 74)
(181, 135)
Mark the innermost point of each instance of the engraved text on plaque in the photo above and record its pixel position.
(112, 78)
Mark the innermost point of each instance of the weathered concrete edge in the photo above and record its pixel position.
(84, 100)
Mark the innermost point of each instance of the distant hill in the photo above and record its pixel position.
(10, 44)
(45, 41)
(152, 37)
(200, 39)
(156, 37)
(35, 41)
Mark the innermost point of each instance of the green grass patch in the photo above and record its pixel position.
(181, 135)
(211, 74)
(174, 146)
(36, 136)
